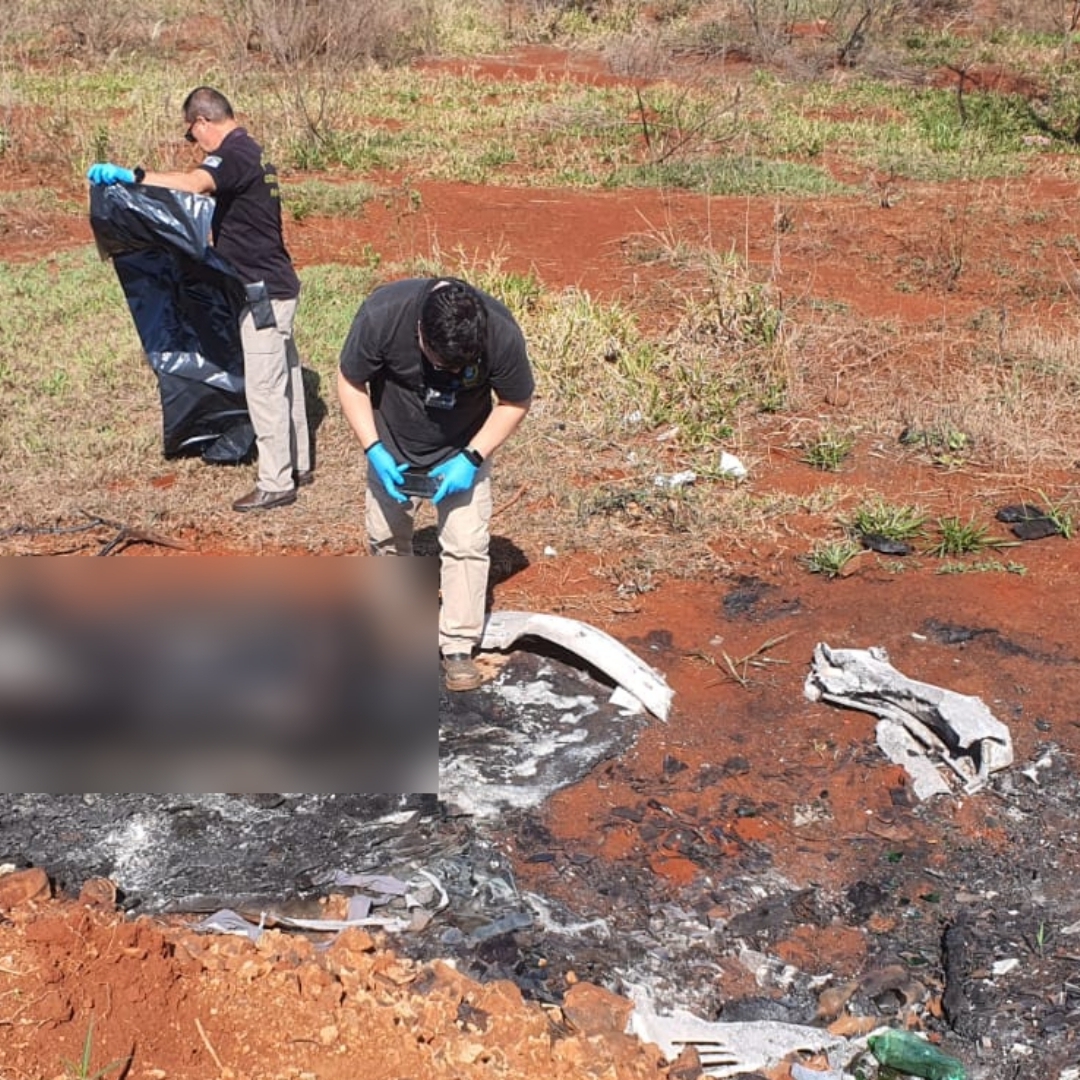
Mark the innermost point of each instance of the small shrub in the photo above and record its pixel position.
(333, 33)
(880, 518)
(319, 45)
(326, 200)
(830, 557)
(828, 451)
(945, 444)
(956, 537)
(83, 1070)
(100, 27)
(1061, 515)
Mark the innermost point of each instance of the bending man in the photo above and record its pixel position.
(434, 377)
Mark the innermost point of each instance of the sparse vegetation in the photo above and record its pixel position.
(830, 558)
(893, 522)
(946, 445)
(326, 200)
(83, 1068)
(958, 537)
(828, 451)
(640, 387)
(982, 566)
(1061, 513)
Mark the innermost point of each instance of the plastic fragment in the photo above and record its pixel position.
(909, 1053)
(731, 466)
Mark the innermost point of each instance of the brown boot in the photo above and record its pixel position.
(461, 672)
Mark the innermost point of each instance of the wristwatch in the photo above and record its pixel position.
(473, 456)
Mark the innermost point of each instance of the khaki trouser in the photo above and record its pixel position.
(464, 538)
(274, 387)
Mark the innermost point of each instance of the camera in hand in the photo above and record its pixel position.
(419, 484)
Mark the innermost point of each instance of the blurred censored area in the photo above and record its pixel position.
(221, 674)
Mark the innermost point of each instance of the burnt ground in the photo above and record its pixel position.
(754, 857)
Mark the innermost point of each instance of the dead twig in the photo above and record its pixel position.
(510, 502)
(126, 534)
(10, 1020)
(209, 1046)
(738, 668)
(644, 121)
(680, 819)
(678, 135)
(961, 73)
(45, 530)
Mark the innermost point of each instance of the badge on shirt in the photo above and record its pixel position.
(470, 376)
(211, 161)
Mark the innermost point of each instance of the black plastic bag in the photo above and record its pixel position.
(186, 301)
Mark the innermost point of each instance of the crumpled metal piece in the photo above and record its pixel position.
(600, 649)
(917, 718)
(422, 900)
(729, 1049)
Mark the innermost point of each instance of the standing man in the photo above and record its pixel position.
(246, 230)
(434, 377)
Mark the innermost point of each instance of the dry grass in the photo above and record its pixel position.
(711, 355)
(582, 475)
(977, 406)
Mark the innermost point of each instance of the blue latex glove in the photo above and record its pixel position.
(389, 472)
(457, 474)
(105, 172)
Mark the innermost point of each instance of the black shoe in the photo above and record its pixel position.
(304, 479)
(257, 499)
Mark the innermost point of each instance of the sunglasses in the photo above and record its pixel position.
(434, 359)
(188, 135)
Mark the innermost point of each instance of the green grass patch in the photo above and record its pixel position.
(893, 521)
(982, 566)
(1062, 513)
(331, 295)
(957, 537)
(77, 391)
(731, 176)
(830, 558)
(467, 127)
(828, 451)
(318, 198)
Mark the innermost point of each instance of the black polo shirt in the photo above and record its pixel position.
(424, 415)
(246, 226)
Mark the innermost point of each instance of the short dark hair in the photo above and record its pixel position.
(453, 320)
(208, 103)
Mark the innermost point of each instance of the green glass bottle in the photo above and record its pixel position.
(908, 1053)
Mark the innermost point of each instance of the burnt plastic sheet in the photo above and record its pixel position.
(186, 301)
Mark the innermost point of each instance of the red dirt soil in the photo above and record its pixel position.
(190, 1007)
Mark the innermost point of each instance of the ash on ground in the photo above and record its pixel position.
(987, 954)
